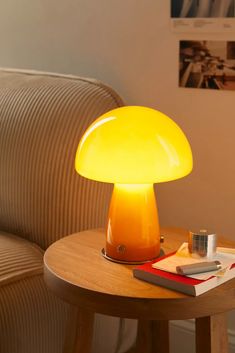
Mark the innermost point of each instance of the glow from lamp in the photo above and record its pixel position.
(133, 147)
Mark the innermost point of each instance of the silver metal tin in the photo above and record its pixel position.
(202, 243)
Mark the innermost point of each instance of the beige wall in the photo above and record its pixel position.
(129, 45)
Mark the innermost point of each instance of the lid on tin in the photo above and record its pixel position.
(202, 232)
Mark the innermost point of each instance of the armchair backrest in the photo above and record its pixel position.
(42, 118)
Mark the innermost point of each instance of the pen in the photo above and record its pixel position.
(198, 267)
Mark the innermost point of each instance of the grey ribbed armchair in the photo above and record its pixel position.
(42, 198)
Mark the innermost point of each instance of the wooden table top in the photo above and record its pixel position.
(75, 270)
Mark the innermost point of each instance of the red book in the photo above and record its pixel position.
(180, 283)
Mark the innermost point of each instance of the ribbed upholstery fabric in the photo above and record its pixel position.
(32, 320)
(42, 198)
(42, 118)
(19, 259)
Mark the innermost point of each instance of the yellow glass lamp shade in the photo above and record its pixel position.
(133, 147)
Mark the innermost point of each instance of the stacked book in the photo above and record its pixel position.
(164, 272)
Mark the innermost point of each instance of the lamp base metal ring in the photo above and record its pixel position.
(103, 252)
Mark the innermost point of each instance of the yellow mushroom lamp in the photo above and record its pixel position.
(133, 147)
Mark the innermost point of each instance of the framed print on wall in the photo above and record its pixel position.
(203, 15)
(207, 64)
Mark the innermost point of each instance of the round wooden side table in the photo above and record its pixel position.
(76, 271)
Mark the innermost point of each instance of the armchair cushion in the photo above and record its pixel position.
(42, 118)
(42, 198)
(19, 258)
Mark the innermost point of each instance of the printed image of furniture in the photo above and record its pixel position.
(202, 8)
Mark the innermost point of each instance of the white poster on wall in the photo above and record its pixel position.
(207, 64)
(203, 15)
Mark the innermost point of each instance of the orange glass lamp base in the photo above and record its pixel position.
(133, 233)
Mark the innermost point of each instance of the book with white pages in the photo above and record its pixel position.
(183, 257)
(162, 271)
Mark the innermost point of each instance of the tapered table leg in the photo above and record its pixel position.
(211, 334)
(79, 331)
(152, 337)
